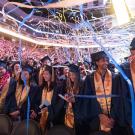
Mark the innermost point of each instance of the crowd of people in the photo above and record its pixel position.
(86, 98)
(10, 50)
(13, 50)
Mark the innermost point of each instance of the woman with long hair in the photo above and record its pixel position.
(25, 91)
(48, 87)
(70, 110)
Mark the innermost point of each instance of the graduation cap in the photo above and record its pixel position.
(126, 58)
(98, 55)
(45, 58)
(132, 45)
(3, 64)
(28, 68)
(74, 68)
(67, 63)
(86, 62)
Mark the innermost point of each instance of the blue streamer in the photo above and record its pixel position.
(49, 1)
(24, 79)
(88, 24)
(16, 8)
(28, 112)
(28, 105)
(125, 78)
(114, 62)
(26, 18)
(96, 96)
(20, 52)
(46, 3)
(123, 75)
(19, 55)
(81, 11)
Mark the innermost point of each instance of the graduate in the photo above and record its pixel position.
(47, 105)
(33, 64)
(28, 90)
(19, 101)
(44, 62)
(69, 110)
(129, 69)
(16, 71)
(11, 109)
(109, 110)
(7, 86)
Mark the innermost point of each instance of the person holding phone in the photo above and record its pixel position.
(70, 109)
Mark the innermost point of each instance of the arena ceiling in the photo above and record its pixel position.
(66, 27)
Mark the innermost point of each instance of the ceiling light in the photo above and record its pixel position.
(121, 11)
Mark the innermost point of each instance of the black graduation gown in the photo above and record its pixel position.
(34, 96)
(59, 110)
(125, 88)
(79, 110)
(94, 109)
(10, 97)
(127, 98)
(50, 119)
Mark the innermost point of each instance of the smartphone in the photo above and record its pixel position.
(61, 96)
(44, 104)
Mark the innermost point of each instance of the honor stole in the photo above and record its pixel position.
(103, 89)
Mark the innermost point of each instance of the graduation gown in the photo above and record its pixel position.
(59, 110)
(94, 109)
(127, 98)
(10, 97)
(124, 85)
(34, 96)
(52, 117)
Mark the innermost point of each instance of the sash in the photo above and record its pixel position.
(4, 93)
(46, 95)
(18, 93)
(69, 116)
(105, 103)
(24, 95)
